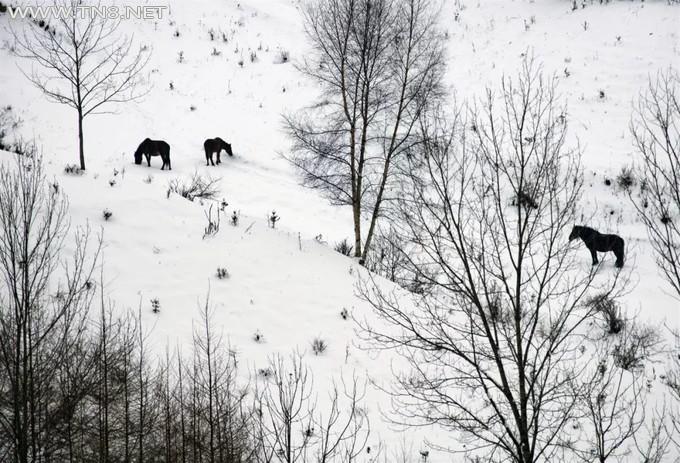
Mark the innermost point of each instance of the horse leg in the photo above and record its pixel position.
(169, 164)
(618, 252)
(218, 156)
(148, 159)
(207, 157)
(619, 262)
(593, 254)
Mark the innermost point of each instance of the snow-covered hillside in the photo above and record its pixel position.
(284, 283)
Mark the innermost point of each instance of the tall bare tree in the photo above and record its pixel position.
(344, 430)
(284, 412)
(378, 63)
(289, 427)
(494, 341)
(82, 61)
(656, 132)
(613, 403)
(39, 315)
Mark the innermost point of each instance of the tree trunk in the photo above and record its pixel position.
(356, 214)
(80, 139)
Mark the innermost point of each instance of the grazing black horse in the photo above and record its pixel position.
(596, 241)
(215, 145)
(150, 148)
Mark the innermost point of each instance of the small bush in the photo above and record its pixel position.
(9, 124)
(253, 57)
(636, 345)
(234, 219)
(610, 311)
(198, 187)
(215, 52)
(282, 57)
(258, 337)
(107, 214)
(625, 179)
(525, 200)
(265, 372)
(607, 182)
(148, 179)
(222, 273)
(344, 314)
(72, 169)
(273, 219)
(319, 346)
(344, 248)
(155, 305)
(213, 226)
(112, 182)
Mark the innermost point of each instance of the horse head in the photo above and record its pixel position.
(575, 233)
(138, 155)
(223, 145)
(140, 151)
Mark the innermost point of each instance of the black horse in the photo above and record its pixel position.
(215, 145)
(596, 241)
(150, 148)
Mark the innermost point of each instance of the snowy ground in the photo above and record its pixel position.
(283, 283)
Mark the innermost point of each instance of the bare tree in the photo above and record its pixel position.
(656, 131)
(289, 427)
(379, 63)
(672, 380)
(652, 444)
(284, 411)
(494, 342)
(39, 315)
(345, 430)
(613, 403)
(220, 421)
(82, 62)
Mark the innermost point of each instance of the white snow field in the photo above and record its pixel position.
(283, 283)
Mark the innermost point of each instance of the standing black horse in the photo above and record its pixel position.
(150, 148)
(215, 145)
(596, 241)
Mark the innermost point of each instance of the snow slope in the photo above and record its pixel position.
(283, 283)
